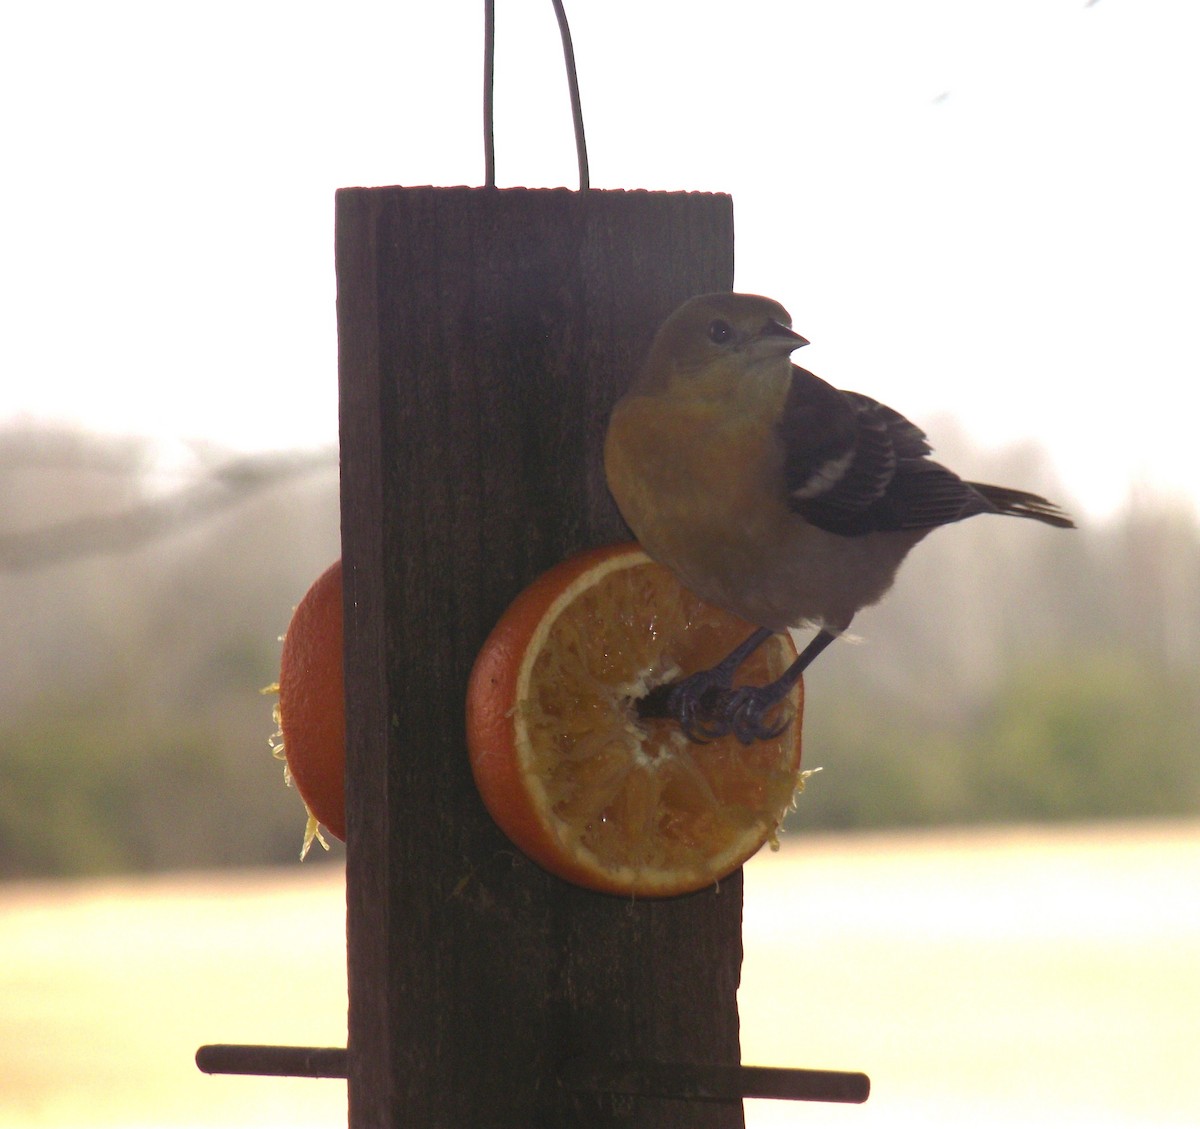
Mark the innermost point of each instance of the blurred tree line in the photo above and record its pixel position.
(142, 601)
(1015, 673)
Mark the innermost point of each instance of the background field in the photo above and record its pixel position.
(1023, 977)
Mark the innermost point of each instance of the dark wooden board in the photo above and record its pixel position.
(483, 337)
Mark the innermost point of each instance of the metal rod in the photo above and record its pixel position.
(489, 85)
(564, 31)
(295, 1062)
(704, 1082)
(684, 1081)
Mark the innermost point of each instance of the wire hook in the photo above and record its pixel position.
(489, 82)
(489, 79)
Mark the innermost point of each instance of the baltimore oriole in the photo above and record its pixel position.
(772, 494)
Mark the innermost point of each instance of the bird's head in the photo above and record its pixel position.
(720, 335)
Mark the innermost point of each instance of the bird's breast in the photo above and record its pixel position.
(700, 489)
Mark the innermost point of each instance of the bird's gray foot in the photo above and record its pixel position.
(708, 706)
(752, 713)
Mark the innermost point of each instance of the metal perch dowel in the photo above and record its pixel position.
(684, 1081)
(710, 1082)
(293, 1062)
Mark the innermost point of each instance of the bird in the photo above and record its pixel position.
(772, 494)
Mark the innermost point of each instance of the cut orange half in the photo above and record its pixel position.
(311, 713)
(575, 778)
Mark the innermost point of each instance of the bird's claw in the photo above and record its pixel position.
(708, 706)
(707, 709)
(746, 713)
(698, 720)
(689, 702)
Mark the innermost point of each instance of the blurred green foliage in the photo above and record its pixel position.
(1080, 736)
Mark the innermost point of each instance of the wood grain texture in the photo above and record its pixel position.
(483, 336)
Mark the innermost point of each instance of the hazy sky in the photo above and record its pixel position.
(980, 208)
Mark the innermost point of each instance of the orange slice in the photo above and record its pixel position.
(571, 774)
(311, 713)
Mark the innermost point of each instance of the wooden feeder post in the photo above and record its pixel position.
(483, 336)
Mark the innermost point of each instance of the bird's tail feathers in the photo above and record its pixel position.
(1021, 503)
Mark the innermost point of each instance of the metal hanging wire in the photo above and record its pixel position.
(489, 82)
(489, 76)
(573, 86)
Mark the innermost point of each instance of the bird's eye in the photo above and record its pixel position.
(719, 332)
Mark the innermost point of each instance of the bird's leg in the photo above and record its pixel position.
(691, 700)
(708, 706)
(744, 709)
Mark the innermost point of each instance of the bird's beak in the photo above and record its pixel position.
(779, 337)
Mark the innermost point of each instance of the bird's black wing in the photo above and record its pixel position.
(855, 466)
(907, 439)
(840, 457)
